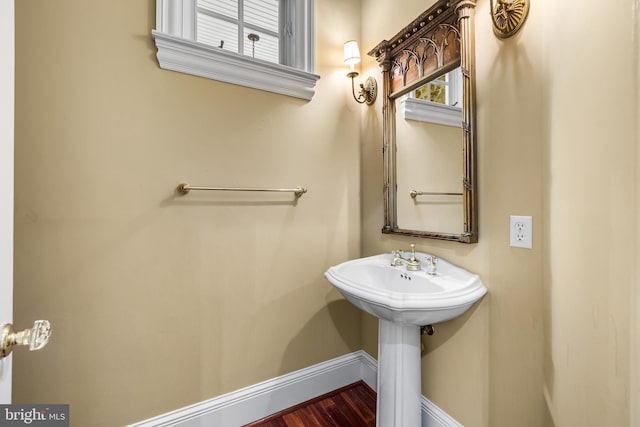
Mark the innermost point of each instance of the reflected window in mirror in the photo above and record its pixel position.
(445, 90)
(438, 101)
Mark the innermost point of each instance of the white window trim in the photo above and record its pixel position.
(432, 112)
(177, 51)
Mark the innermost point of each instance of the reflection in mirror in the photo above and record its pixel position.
(444, 90)
(438, 101)
(429, 162)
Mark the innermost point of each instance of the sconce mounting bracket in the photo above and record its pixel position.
(368, 90)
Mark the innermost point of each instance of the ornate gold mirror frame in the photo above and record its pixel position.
(439, 40)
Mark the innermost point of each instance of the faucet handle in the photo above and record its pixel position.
(432, 262)
(397, 258)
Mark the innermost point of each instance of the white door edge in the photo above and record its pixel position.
(7, 79)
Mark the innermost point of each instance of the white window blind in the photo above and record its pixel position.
(223, 7)
(262, 14)
(228, 24)
(217, 32)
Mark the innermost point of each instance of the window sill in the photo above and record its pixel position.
(424, 111)
(187, 56)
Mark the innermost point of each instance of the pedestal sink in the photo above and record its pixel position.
(403, 301)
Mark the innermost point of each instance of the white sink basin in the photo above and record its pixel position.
(403, 301)
(409, 297)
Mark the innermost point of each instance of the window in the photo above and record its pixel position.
(439, 101)
(264, 44)
(250, 27)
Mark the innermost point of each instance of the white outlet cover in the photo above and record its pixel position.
(521, 231)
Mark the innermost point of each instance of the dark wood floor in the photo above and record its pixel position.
(350, 406)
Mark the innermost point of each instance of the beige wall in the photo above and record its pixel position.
(550, 344)
(634, 301)
(158, 301)
(590, 173)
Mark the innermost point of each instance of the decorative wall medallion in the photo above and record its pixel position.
(508, 16)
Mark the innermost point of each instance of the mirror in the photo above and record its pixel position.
(429, 125)
(429, 156)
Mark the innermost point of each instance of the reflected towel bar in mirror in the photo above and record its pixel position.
(414, 193)
(185, 188)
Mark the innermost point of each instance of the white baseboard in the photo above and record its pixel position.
(433, 416)
(260, 400)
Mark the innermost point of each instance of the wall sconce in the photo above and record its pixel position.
(368, 90)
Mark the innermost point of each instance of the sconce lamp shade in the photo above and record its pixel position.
(351, 53)
(369, 90)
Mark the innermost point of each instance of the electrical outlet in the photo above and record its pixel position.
(521, 229)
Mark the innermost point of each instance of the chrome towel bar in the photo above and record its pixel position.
(415, 193)
(185, 188)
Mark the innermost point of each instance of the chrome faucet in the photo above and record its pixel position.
(413, 264)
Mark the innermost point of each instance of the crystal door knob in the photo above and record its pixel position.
(35, 337)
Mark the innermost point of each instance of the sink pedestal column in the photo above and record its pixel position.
(399, 379)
